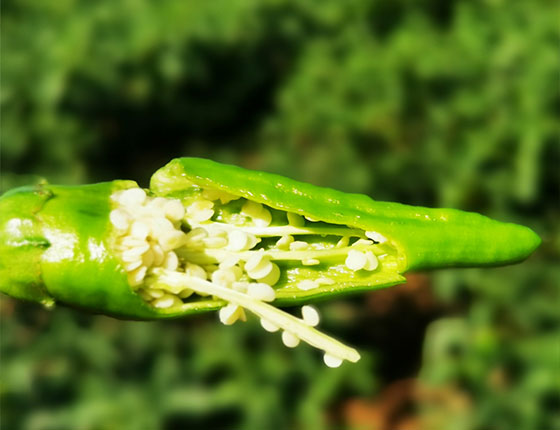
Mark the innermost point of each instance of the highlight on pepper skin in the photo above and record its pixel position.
(196, 242)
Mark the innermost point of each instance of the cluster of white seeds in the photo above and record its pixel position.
(149, 238)
(147, 232)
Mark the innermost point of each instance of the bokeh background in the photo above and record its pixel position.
(431, 102)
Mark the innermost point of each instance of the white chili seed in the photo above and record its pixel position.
(355, 260)
(137, 276)
(237, 240)
(273, 276)
(120, 219)
(139, 230)
(371, 261)
(186, 293)
(307, 284)
(215, 242)
(196, 271)
(167, 301)
(289, 339)
(229, 314)
(174, 210)
(263, 219)
(261, 291)
(298, 245)
(377, 237)
(310, 262)
(284, 242)
(132, 197)
(268, 326)
(171, 261)
(332, 361)
(362, 242)
(310, 315)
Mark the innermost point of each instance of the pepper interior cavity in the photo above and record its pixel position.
(243, 254)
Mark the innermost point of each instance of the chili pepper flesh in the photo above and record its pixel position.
(212, 237)
(211, 243)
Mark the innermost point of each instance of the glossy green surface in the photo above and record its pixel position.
(427, 238)
(55, 240)
(54, 248)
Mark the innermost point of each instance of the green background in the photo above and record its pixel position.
(431, 102)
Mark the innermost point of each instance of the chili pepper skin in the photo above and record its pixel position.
(427, 238)
(55, 241)
(54, 246)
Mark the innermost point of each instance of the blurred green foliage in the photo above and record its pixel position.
(431, 102)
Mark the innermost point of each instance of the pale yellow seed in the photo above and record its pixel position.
(331, 360)
(148, 258)
(268, 326)
(310, 262)
(133, 254)
(261, 291)
(229, 314)
(167, 301)
(251, 209)
(240, 286)
(254, 260)
(211, 194)
(223, 196)
(129, 267)
(289, 339)
(295, 219)
(371, 261)
(263, 219)
(139, 230)
(355, 260)
(215, 242)
(229, 261)
(284, 242)
(161, 227)
(196, 235)
(310, 315)
(155, 293)
(120, 219)
(377, 237)
(309, 218)
(237, 240)
(325, 281)
(307, 284)
(137, 276)
(172, 240)
(171, 261)
(159, 255)
(196, 271)
(174, 210)
(201, 210)
(272, 277)
(186, 293)
(132, 197)
(261, 271)
(252, 241)
(298, 245)
(362, 242)
(156, 204)
(128, 242)
(224, 277)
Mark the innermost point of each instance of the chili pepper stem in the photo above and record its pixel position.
(263, 310)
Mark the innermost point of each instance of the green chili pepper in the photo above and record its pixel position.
(210, 236)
